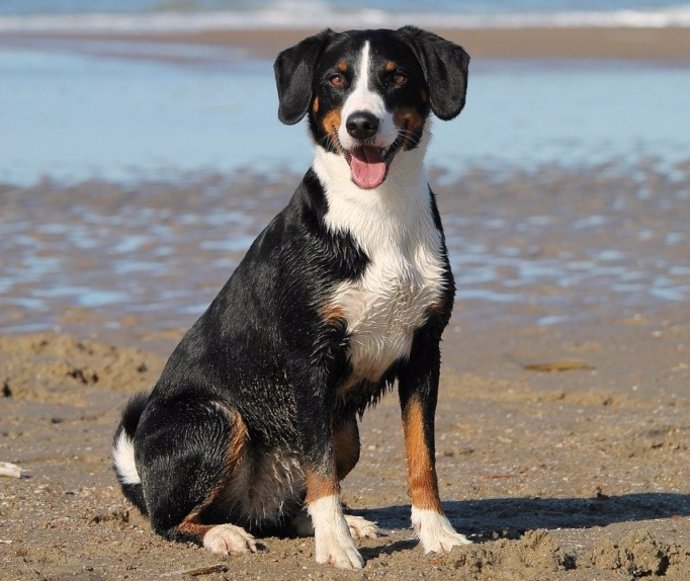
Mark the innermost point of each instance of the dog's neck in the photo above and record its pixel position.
(394, 213)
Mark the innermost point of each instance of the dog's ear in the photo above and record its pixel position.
(294, 71)
(445, 69)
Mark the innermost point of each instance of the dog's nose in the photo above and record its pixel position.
(362, 125)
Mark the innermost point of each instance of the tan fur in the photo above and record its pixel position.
(408, 119)
(319, 486)
(346, 449)
(421, 473)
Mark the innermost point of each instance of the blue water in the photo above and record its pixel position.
(191, 14)
(71, 113)
(13, 7)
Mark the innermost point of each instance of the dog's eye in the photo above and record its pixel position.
(337, 80)
(399, 79)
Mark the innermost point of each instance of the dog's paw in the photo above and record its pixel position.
(334, 544)
(361, 528)
(229, 540)
(435, 532)
(338, 550)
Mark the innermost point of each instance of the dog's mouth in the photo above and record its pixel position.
(369, 164)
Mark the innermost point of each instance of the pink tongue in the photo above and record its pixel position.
(368, 167)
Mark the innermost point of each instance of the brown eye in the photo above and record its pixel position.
(337, 80)
(399, 79)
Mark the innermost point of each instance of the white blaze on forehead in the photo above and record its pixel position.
(362, 98)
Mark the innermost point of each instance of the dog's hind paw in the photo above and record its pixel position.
(435, 531)
(229, 540)
(361, 528)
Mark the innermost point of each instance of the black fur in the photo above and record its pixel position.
(445, 67)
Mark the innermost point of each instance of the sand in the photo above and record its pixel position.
(562, 448)
(560, 475)
(593, 43)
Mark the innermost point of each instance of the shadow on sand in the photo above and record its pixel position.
(494, 518)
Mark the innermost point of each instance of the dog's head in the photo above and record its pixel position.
(368, 93)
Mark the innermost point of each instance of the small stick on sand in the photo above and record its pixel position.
(219, 568)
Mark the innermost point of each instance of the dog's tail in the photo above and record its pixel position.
(123, 451)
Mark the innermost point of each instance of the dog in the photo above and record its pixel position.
(253, 423)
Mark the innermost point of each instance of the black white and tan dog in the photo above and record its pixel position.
(346, 292)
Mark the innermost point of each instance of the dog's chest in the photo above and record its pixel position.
(403, 282)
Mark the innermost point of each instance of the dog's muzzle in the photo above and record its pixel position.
(368, 163)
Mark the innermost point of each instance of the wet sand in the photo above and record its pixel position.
(591, 43)
(563, 426)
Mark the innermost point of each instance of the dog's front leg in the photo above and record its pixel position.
(418, 389)
(334, 543)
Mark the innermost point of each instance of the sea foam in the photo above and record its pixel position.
(296, 15)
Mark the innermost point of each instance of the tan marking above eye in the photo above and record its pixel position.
(391, 66)
(342, 66)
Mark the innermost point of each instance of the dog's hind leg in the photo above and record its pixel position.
(346, 448)
(186, 452)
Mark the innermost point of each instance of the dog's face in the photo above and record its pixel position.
(368, 93)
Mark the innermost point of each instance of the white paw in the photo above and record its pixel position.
(229, 540)
(361, 528)
(435, 531)
(334, 544)
(333, 548)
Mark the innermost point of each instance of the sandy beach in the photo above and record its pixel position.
(592, 43)
(563, 424)
(564, 416)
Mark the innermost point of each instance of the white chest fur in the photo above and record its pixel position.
(386, 306)
(404, 279)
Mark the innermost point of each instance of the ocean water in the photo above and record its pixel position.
(71, 112)
(193, 14)
(78, 108)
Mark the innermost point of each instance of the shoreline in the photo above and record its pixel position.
(535, 43)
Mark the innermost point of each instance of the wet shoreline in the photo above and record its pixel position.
(660, 44)
(552, 246)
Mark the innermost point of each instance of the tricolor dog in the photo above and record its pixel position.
(253, 423)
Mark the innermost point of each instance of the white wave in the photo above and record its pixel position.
(314, 14)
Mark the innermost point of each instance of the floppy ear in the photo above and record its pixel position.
(294, 71)
(445, 69)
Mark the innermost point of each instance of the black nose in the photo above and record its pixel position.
(362, 125)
